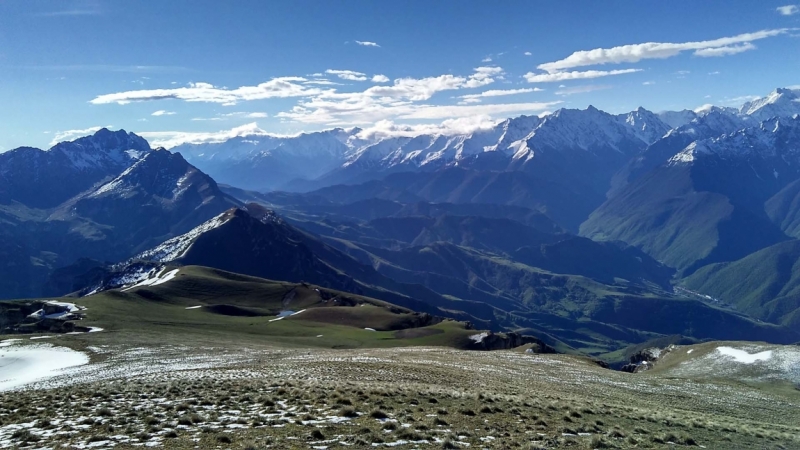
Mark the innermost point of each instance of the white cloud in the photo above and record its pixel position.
(451, 111)
(323, 82)
(724, 51)
(61, 136)
(483, 76)
(367, 44)
(649, 50)
(487, 59)
(171, 139)
(788, 10)
(716, 72)
(234, 115)
(449, 127)
(349, 75)
(738, 101)
(162, 112)
(649, 83)
(683, 72)
(575, 75)
(474, 98)
(380, 78)
(527, 53)
(582, 89)
(282, 87)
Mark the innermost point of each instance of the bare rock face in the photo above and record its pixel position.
(503, 341)
(645, 359)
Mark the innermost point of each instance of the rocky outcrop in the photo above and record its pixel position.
(489, 340)
(645, 359)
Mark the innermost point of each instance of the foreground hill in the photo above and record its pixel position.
(209, 390)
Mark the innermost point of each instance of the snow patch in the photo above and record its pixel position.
(23, 365)
(742, 356)
(478, 338)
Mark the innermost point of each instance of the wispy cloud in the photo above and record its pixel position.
(650, 50)
(234, 115)
(788, 10)
(367, 44)
(349, 75)
(162, 112)
(574, 75)
(283, 87)
(61, 136)
(724, 51)
(582, 89)
(476, 98)
(527, 53)
(169, 139)
(380, 78)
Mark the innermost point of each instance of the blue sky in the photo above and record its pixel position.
(200, 71)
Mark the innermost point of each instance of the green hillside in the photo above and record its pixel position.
(765, 285)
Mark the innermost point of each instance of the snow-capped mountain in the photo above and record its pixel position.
(42, 178)
(160, 195)
(647, 126)
(264, 162)
(779, 103)
(248, 240)
(776, 140)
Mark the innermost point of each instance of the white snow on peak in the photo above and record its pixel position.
(174, 248)
(779, 103)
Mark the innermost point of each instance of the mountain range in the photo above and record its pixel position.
(591, 230)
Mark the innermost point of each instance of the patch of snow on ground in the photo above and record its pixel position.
(9, 342)
(23, 365)
(744, 357)
(478, 338)
(370, 329)
(286, 313)
(194, 307)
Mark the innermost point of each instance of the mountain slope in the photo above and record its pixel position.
(159, 196)
(765, 284)
(707, 204)
(44, 179)
(784, 209)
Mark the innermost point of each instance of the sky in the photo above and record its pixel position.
(203, 71)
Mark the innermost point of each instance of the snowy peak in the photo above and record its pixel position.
(779, 103)
(105, 148)
(160, 173)
(646, 125)
(589, 130)
(174, 248)
(775, 139)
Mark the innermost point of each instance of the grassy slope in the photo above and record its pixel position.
(162, 309)
(765, 284)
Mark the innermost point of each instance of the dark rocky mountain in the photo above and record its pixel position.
(119, 197)
(44, 179)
